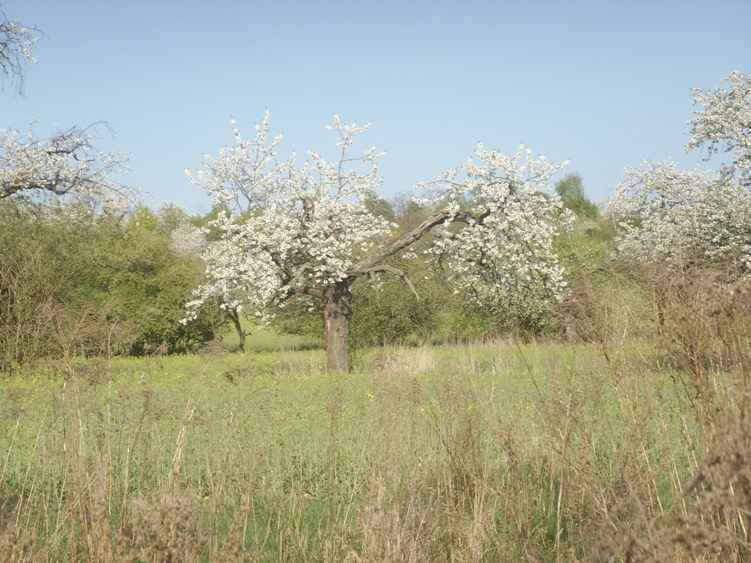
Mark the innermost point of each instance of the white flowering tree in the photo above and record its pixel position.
(304, 231)
(676, 218)
(187, 240)
(190, 241)
(724, 124)
(64, 166)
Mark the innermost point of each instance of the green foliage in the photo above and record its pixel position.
(587, 248)
(381, 207)
(204, 221)
(170, 217)
(571, 191)
(608, 300)
(299, 319)
(142, 280)
(391, 314)
(77, 283)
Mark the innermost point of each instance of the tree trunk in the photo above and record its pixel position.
(659, 300)
(337, 310)
(235, 318)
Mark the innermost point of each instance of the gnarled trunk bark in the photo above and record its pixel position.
(337, 310)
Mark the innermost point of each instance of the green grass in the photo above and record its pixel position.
(487, 452)
(265, 339)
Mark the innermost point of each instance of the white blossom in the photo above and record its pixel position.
(287, 228)
(508, 215)
(16, 48)
(66, 166)
(673, 217)
(724, 124)
(293, 229)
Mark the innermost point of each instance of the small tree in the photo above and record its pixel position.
(308, 231)
(190, 241)
(571, 191)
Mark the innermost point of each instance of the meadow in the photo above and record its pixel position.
(491, 367)
(497, 451)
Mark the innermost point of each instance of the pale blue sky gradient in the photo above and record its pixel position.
(605, 85)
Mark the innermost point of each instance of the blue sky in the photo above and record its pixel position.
(603, 84)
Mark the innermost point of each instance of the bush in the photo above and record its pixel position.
(77, 283)
(142, 280)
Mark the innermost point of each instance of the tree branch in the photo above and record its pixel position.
(397, 272)
(408, 239)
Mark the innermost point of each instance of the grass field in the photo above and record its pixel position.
(265, 339)
(494, 452)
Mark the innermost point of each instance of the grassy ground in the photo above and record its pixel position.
(266, 339)
(493, 452)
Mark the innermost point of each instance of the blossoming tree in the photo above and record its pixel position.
(676, 218)
(304, 231)
(724, 123)
(65, 165)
